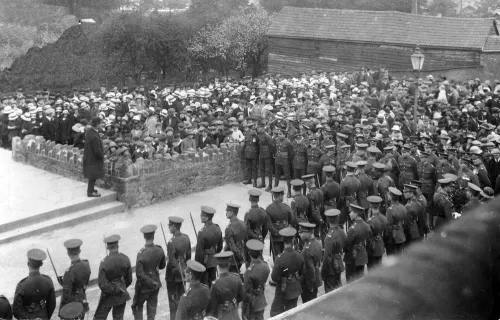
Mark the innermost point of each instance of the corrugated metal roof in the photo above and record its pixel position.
(381, 27)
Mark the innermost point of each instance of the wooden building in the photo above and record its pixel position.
(302, 39)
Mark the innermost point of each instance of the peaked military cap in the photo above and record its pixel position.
(308, 176)
(306, 225)
(450, 176)
(329, 168)
(207, 210)
(474, 187)
(410, 186)
(379, 166)
(112, 239)
(361, 163)
(297, 182)
(254, 193)
(174, 219)
(150, 228)
(195, 266)
(351, 165)
(278, 189)
(332, 212)
(73, 243)
(223, 257)
(36, 255)
(395, 191)
(287, 232)
(374, 199)
(357, 207)
(255, 245)
(444, 181)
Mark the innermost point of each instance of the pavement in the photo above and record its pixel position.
(27, 191)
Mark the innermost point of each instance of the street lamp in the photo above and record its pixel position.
(417, 60)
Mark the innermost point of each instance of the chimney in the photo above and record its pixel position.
(414, 6)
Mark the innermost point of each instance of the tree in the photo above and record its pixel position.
(447, 8)
(378, 5)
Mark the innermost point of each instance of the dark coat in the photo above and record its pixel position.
(63, 130)
(49, 128)
(93, 156)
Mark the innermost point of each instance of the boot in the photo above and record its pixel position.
(270, 184)
(255, 183)
(247, 182)
(262, 184)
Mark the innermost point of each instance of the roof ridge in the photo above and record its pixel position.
(389, 12)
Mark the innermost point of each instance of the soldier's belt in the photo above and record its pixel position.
(283, 154)
(210, 250)
(313, 163)
(280, 224)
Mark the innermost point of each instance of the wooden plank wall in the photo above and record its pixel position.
(291, 56)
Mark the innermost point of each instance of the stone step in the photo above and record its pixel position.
(64, 208)
(87, 213)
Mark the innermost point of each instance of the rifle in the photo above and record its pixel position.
(192, 221)
(180, 268)
(52, 263)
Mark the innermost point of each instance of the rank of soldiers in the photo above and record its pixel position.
(383, 210)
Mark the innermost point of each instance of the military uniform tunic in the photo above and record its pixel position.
(375, 247)
(333, 265)
(254, 285)
(395, 236)
(356, 256)
(194, 302)
(74, 283)
(226, 293)
(299, 160)
(209, 243)
(311, 280)
(331, 194)
(279, 216)
(34, 297)
(313, 164)
(234, 236)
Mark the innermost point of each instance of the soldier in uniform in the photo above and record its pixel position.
(299, 203)
(408, 167)
(178, 252)
(287, 272)
(194, 302)
(254, 283)
(335, 240)
(414, 213)
(312, 252)
(209, 243)
(266, 151)
(234, 237)
(355, 257)
(284, 154)
(150, 260)
(378, 224)
(314, 154)
(279, 216)
(396, 215)
(365, 187)
(390, 160)
(474, 202)
(328, 159)
(115, 276)
(255, 221)
(428, 177)
(251, 153)
(482, 174)
(315, 196)
(76, 278)
(343, 157)
(348, 190)
(35, 297)
(423, 224)
(331, 189)
(444, 166)
(442, 203)
(381, 184)
(299, 158)
(5, 308)
(226, 292)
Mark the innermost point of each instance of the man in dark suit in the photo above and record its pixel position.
(49, 126)
(93, 156)
(203, 140)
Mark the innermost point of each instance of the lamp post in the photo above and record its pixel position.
(417, 61)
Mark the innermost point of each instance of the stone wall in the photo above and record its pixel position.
(145, 181)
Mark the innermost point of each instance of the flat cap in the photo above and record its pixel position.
(296, 182)
(307, 225)
(207, 210)
(329, 168)
(355, 206)
(474, 187)
(254, 193)
(150, 228)
(73, 243)
(36, 255)
(374, 199)
(175, 219)
(308, 176)
(71, 310)
(195, 266)
(278, 189)
(114, 238)
(287, 232)
(373, 150)
(495, 151)
(332, 212)
(255, 245)
(395, 191)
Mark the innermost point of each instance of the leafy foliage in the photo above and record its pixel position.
(378, 5)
